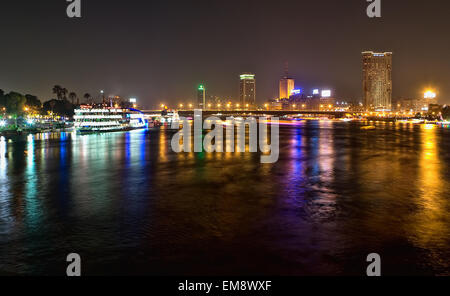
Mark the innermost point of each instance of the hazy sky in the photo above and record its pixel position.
(159, 51)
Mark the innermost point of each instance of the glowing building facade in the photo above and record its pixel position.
(287, 85)
(201, 96)
(377, 80)
(247, 90)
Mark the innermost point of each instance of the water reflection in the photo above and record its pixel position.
(5, 192)
(336, 192)
(33, 209)
(431, 228)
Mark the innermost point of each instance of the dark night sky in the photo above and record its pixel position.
(159, 51)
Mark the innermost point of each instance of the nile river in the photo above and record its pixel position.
(129, 205)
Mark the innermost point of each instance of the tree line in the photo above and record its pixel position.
(446, 113)
(62, 94)
(16, 104)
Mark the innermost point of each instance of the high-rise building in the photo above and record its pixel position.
(201, 96)
(377, 80)
(247, 92)
(287, 85)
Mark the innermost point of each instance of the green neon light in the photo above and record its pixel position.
(247, 76)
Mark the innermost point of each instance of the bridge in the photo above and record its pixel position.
(276, 113)
(371, 116)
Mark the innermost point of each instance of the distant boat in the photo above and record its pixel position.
(368, 127)
(167, 117)
(94, 120)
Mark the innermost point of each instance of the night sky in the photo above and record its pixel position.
(159, 51)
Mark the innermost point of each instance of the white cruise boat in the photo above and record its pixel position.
(91, 120)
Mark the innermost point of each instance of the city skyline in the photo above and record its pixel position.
(154, 61)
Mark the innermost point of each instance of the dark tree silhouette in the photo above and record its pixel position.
(73, 96)
(57, 91)
(87, 97)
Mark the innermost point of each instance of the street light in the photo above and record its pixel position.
(429, 94)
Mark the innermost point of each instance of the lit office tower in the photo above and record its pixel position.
(287, 85)
(201, 96)
(247, 92)
(377, 80)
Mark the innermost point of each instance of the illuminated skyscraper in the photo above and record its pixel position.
(201, 96)
(377, 80)
(247, 92)
(287, 85)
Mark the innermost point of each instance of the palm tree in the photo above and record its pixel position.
(87, 97)
(72, 97)
(64, 92)
(57, 91)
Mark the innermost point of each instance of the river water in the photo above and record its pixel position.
(129, 205)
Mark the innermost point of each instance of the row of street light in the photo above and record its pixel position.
(191, 106)
(182, 106)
